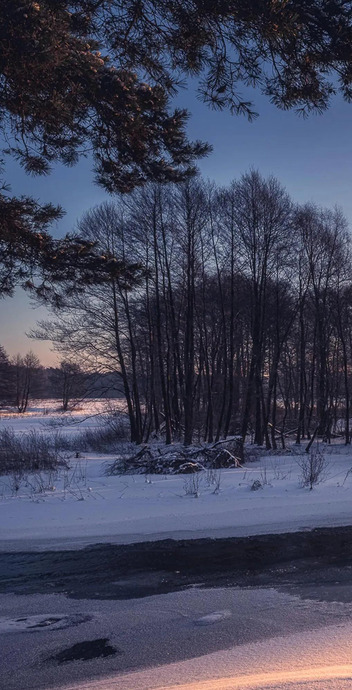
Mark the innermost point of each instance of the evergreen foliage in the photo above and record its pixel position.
(98, 76)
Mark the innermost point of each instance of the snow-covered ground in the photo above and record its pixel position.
(196, 639)
(281, 640)
(314, 660)
(91, 507)
(46, 416)
(81, 506)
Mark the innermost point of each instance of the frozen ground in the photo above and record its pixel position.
(315, 660)
(46, 416)
(210, 639)
(285, 638)
(79, 506)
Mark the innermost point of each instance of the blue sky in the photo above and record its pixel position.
(311, 157)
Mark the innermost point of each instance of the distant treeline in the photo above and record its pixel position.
(23, 379)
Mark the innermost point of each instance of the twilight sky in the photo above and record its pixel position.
(311, 157)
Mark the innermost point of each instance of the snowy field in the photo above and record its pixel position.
(46, 416)
(80, 505)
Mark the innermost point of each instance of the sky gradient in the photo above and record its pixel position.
(311, 157)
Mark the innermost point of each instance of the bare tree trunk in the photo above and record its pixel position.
(164, 392)
(189, 338)
(135, 429)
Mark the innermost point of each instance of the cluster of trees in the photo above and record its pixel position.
(99, 76)
(24, 378)
(21, 378)
(239, 321)
(219, 308)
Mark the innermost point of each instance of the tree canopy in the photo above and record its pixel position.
(98, 77)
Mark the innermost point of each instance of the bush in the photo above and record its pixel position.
(313, 468)
(256, 485)
(99, 440)
(103, 439)
(213, 478)
(191, 485)
(29, 452)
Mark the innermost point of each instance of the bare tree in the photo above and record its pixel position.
(26, 376)
(263, 220)
(68, 382)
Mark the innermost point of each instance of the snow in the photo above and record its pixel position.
(212, 618)
(46, 416)
(82, 506)
(39, 622)
(159, 642)
(318, 659)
